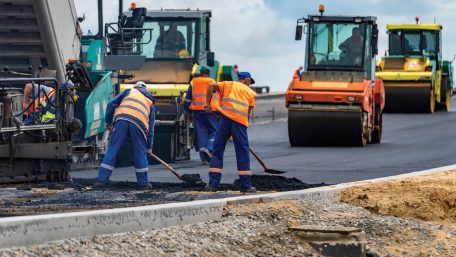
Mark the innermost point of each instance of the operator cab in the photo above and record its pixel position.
(339, 43)
(415, 41)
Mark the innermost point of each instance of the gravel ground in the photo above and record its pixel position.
(262, 230)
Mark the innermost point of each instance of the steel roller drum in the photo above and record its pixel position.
(323, 128)
(408, 98)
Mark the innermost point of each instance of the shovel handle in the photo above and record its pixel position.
(258, 158)
(167, 166)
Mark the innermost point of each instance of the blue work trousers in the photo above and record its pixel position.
(226, 128)
(121, 131)
(205, 126)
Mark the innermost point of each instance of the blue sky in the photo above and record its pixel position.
(258, 35)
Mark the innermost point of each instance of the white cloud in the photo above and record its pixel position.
(258, 35)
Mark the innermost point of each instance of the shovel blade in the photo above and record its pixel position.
(273, 171)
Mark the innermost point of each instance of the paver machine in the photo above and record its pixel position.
(170, 44)
(337, 100)
(416, 77)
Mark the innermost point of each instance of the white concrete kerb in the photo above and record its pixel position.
(28, 230)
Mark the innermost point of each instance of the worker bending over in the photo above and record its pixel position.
(205, 123)
(234, 100)
(38, 103)
(133, 115)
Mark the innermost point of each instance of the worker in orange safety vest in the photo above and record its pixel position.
(297, 73)
(205, 123)
(234, 101)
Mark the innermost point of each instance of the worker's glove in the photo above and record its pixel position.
(208, 108)
(149, 151)
(109, 127)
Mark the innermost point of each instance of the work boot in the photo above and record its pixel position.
(208, 188)
(214, 179)
(249, 190)
(99, 185)
(246, 185)
(147, 186)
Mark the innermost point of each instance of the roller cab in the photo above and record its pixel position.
(415, 76)
(337, 100)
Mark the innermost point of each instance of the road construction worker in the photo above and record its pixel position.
(130, 114)
(205, 123)
(38, 103)
(234, 101)
(297, 73)
(236, 69)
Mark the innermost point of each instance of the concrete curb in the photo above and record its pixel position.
(28, 230)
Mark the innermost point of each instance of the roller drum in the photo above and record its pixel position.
(408, 98)
(320, 128)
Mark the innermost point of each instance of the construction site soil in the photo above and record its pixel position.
(428, 198)
(33, 199)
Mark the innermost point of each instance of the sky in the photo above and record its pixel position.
(258, 35)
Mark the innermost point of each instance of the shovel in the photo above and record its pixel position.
(187, 178)
(266, 169)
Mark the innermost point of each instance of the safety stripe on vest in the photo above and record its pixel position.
(231, 100)
(142, 170)
(136, 101)
(136, 109)
(236, 111)
(199, 103)
(216, 98)
(197, 95)
(106, 166)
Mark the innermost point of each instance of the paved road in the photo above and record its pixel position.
(411, 142)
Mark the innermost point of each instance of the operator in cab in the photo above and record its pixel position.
(352, 48)
(171, 44)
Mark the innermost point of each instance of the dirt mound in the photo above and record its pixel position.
(428, 198)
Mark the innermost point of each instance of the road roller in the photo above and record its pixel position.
(415, 76)
(337, 100)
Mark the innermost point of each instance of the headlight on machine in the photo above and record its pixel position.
(298, 97)
(351, 98)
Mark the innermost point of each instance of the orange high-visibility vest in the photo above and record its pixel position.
(136, 105)
(42, 101)
(234, 101)
(199, 90)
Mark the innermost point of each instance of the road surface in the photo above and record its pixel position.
(411, 142)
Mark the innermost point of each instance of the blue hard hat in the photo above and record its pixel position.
(246, 75)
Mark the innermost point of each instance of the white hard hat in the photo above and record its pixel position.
(140, 84)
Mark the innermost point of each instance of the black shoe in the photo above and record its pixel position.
(205, 163)
(147, 186)
(208, 188)
(249, 190)
(99, 185)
